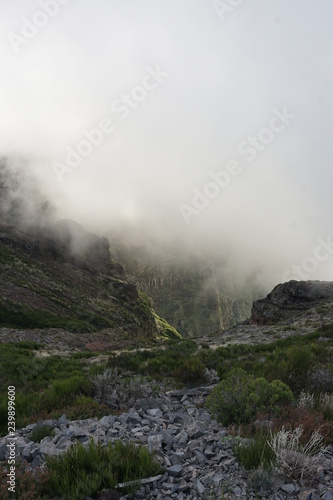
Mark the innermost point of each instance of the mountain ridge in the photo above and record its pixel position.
(62, 276)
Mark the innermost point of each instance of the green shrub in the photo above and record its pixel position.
(204, 345)
(191, 372)
(260, 479)
(43, 385)
(159, 363)
(255, 453)
(228, 399)
(83, 472)
(240, 397)
(16, 316)
(41, 432)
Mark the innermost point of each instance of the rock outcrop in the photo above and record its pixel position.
(291, 300)
(62, 276)
(197, 295)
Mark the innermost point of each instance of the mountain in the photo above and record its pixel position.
(196, 294)
(55, 274)
(61, 276)
(292, 308)
(292, 301)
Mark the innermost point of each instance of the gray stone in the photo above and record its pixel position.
(182, 438)
(48, 449)
(289, 488)
(37, 462)
(134, 419)
(175, 470)
(172, 487)
(179, 419)
(167, 438)
(155, 442)
(290, 299)
(200, 487)
(62, 420)
(26, 453)
(209, 454)
(200, 457)
(63, 442)
(34, 452)
(217, 478)
(154, 412)
(107, 421)
(176, 458)
(186, 441)
(139, 495)
(198, 434)
(306, 495)
(74, 431)
(183, 486)
(48, 423)
(30, 427)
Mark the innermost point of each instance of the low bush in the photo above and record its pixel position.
(296, 461)
(260, 479)
(85, 471)
(191, 372)
(321, 379)
(306, 400)
(41, 432)
(292, 417)
(29, 484)
(159, 363)
(326, 405)
(240, 397)
(44, 385)
(255, 452)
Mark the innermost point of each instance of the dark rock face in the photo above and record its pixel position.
(196, 294)
(61, 276)
(69, 240)
(65, 241)
(289, 300)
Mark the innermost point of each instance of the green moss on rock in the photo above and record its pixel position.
(166, 331)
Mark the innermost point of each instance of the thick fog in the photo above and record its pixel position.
(201, 123)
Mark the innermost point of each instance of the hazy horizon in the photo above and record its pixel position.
(201, 123)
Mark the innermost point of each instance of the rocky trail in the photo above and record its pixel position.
(193, 449)
(195, 452)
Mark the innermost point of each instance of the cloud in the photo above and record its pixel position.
(225, 80)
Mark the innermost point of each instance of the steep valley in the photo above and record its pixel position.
(198, 295)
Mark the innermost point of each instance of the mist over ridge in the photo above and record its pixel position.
(156, 111)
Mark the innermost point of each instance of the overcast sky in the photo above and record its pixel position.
(216, 118)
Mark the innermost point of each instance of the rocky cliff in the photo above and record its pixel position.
(291, 300)
(197, 295)
(61, 276)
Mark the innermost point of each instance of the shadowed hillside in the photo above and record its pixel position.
(58, 275)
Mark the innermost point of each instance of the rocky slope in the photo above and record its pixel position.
(196, 294)
(55, 274)
(289, 301)
(61, 276)
(195, 451)
(292, 308)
